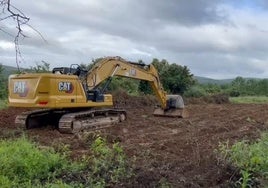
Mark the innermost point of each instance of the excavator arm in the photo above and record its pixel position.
(116, 66)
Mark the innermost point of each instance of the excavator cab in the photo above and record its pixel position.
(95, 95)
(74, 69)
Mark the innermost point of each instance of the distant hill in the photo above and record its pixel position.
(204, 80)
(9, 70)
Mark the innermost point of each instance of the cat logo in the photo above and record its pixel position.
(132, 72)
(21, 88)
(66, 87)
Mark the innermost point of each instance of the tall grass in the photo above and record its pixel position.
(250, 158)
(107, 165)
(24, 164)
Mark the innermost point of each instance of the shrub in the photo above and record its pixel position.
(195, 91)
(251, 159)
(234, 93)
(108, 165)
(220, 98)
(3, 104)
(21, 162)
(24, 164)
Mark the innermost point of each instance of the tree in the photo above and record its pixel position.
(161, 66)
(175, 78)
(1, 69)
(237, 86)
(127, 84)
(145, 88)
(238, 82)
(262, 87)
(3, 84)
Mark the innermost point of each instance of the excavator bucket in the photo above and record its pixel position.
(181, 113)
(175, 108)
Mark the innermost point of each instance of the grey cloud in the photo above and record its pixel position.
(7, 32)
(189, 12)
(125, 18)
(135, 20)
(192, 33)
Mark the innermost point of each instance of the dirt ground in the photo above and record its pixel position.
(178, 151)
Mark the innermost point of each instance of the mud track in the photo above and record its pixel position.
(179, 151)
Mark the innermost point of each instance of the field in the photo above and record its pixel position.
(250, 100)
(178, 152)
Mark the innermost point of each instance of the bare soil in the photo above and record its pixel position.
(174, 150)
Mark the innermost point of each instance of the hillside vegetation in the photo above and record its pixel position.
(204, 80)
(174, 78)
(8, 70)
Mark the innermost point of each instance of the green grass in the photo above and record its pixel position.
(107, 165)
(24, 164)
(249, 100)
(3, 104)
(250, 158)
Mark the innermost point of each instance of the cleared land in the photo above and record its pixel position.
(178, 151)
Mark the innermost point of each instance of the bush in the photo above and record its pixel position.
(234, 93)
(107, 165)
(220, 98)
(3, 104)
(195, 91)
(22, 163)
(3, 84)
(251, 159)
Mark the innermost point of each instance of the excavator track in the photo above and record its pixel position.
(29, 119)
(70, 122)
(90, 120)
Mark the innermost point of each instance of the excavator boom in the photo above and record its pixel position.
(171, 105)
(116, 66)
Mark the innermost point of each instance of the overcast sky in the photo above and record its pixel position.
(214, 38)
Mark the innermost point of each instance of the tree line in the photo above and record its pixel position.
(176, 79)
(3, 84)
(238, 87)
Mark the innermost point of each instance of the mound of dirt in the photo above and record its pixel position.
(123, 100)
(220, 99)
(213, 99)
(7, 117)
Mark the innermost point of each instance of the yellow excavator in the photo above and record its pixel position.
(71, 98)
